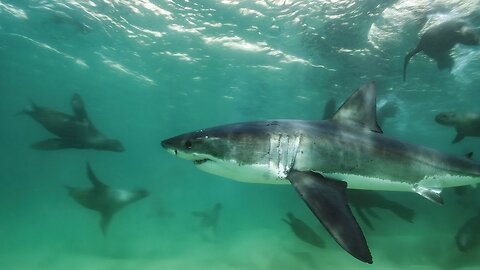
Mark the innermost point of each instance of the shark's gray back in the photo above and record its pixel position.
(329, 147)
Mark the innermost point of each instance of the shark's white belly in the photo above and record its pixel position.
(268, 174)
(255, 173)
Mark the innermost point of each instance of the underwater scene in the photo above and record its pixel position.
(240, 134)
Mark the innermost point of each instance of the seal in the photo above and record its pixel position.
(104, 199)
(209, 219)
(468, 235)
(437, 41)
(303, 231)
(364, 200)
(466, 124)
(73, 131)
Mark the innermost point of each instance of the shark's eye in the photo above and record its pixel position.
(188, 144)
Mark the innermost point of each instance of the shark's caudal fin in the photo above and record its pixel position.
(94, 180)
(407, 59)
(327, 200)
(360, 109)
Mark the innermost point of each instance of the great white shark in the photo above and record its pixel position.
(321, 159)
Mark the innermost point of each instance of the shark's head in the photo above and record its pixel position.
(237, 151)
(446, 118)
(199, 146)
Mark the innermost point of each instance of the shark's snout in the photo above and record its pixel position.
(166, 144)
(170, 146)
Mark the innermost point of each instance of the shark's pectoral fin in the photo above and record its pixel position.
(327, 200)
(458, 138)
(51, 144)
(431, 194)
(364, 218)
(105, 221)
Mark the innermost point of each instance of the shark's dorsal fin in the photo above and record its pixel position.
(329, 109)
(360, 109)
(94, 180)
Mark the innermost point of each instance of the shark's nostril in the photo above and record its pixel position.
(175, 151)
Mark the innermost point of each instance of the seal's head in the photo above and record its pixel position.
(469, 36)
(446, 118)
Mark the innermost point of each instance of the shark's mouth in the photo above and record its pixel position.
(201, 161)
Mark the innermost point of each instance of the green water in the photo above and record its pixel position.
(149, 70)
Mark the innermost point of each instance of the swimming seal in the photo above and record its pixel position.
(103, 198)
(73, 131)
(467, 124)
(437, 41)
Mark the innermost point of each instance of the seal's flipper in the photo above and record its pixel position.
(51, 144)
(81, 113)
(327, 200)
(79, 108)
(407, 59)
(105, 221)
(94, 180)
(458, 138)
(363, 217)
(444, 61)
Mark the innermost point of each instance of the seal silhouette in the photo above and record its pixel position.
(467, 124)
(103, 198)
(437, 41)
(303, 231)
(72, 131)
